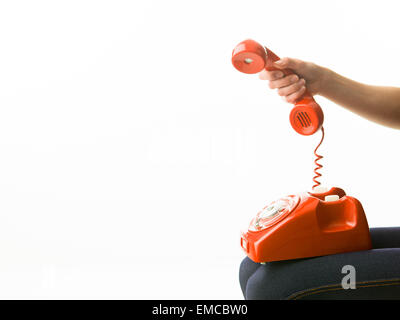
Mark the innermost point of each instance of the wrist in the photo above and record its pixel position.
(327, 78)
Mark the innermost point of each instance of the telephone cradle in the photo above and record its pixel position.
(307, 225)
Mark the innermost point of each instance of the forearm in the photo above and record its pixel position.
(378, 104)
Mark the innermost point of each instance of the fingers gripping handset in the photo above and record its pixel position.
(251, 57)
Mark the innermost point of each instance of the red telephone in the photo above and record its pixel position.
(251, 57)
(307, 225)
(310, 224)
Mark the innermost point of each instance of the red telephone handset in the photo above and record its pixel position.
(251, 57)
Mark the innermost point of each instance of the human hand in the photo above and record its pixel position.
(292, 87)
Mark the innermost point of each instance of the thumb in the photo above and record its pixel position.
(288, 63)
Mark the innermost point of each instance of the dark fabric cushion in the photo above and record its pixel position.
(377, 273)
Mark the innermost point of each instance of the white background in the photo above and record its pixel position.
(132, 153)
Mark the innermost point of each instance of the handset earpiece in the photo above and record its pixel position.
(251, 57)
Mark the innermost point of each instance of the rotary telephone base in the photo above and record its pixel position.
(307, 225)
